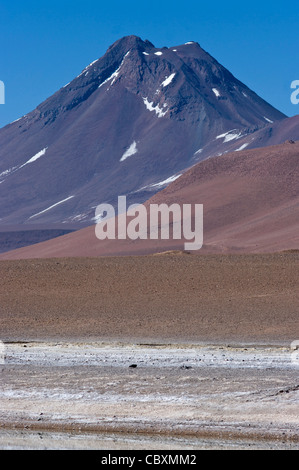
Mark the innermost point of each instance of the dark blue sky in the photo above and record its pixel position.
(46, 44)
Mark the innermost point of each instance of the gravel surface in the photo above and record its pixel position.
(192, 348)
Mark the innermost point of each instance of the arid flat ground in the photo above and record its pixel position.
(172, 298)
(210, 338)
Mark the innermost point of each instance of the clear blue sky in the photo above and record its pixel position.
(45, 44)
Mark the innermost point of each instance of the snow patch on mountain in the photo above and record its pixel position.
(216, 92)
(97, 218)
(225, 133)
(230, 135)
(168, 80)
(115, 74)
(150, 106)
(129, 152)
(12, 170)
(51, 207)
(85, 70)
(242, 147)
(165, 182)
(35, 157)
(6, 173)
(91, 64)
(160, 184)
(78, 218)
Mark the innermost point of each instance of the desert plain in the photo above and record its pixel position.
(173, 350)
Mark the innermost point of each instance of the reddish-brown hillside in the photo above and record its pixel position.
(250, 199)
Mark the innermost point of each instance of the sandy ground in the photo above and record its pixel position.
(210, 338)
(172, 298)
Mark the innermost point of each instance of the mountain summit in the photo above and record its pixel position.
(128, 124)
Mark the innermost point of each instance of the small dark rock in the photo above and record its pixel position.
(133, 366)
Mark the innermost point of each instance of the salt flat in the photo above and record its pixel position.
(184, 391)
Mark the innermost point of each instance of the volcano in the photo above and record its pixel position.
(129, 124)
